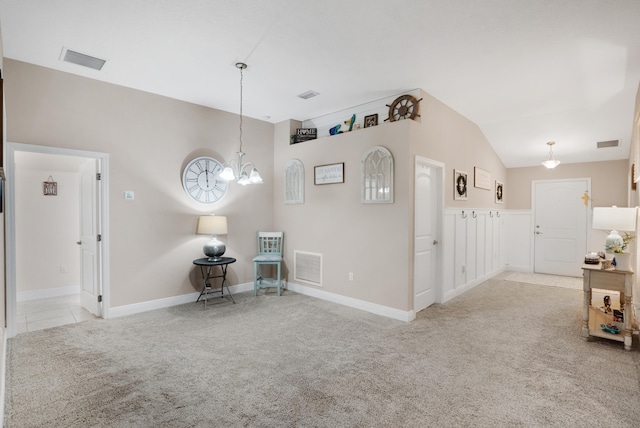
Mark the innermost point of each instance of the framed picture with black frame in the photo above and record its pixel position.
(499, 192)
(460, 187)
(371, 120)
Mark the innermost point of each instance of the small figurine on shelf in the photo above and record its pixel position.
(336, 129)
(607, 304)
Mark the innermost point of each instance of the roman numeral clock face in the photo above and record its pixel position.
(200, 180)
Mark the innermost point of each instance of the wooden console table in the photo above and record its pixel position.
(616, 280)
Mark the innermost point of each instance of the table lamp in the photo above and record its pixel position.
(615, 220)
(213, 225)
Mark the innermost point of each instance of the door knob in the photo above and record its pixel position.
(538, 233)
(435, 242)
(79, 242)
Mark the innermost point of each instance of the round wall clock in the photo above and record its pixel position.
(403, 107)
(201, 182)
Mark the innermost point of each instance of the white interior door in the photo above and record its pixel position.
(89, 244)
(560, 226)
(428, 179)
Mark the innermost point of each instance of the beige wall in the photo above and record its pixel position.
(370, 240)
(609, 183)
(634, 157)
(449, 137)
(149, 139)
(375, 241)
(46, 231)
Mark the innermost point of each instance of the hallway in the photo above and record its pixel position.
(51, 312)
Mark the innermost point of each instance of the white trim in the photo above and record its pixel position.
(136, 308)
(48, 293)
(3, 372)
(471, 284)
(440, 249)
(373, 308)
(10, 224)
(533, 212)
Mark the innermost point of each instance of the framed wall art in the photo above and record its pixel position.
(481, 178)
(329, 174)
(459, 185)
(376, 171)
(294, 182)
(499, 192)
(371, 120)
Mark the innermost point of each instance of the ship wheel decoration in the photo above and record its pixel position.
(403, 107)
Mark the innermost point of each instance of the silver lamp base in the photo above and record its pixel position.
(214, 249)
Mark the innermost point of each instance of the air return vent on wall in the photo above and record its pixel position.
(610, 143)
(82, 59)
(307, 267)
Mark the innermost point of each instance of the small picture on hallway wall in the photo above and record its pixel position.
(499, 192)
(459, 185)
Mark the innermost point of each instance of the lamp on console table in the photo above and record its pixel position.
(616, 220)
(213, 225)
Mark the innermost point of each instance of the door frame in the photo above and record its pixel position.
(532, 247)
(10, 225)
(439, 167)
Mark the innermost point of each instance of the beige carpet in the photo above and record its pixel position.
(543, 279)
(504, 354)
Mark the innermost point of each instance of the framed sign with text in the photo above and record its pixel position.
(481, 178)
(329, 174)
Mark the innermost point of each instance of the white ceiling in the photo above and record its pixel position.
(525, 71)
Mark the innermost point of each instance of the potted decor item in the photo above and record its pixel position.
(622, 257)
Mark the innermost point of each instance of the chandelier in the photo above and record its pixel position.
(245, 173)
(551, 162)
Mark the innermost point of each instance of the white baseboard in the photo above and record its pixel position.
(374, 308)
(136, 308)
(519, 268)
(3, 371)
(47, 293)
(469, 285)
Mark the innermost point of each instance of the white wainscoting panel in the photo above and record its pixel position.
(479, 249)
(519, 231)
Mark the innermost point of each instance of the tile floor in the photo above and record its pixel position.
(46, 313)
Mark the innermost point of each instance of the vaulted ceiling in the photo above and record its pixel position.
(525, 71)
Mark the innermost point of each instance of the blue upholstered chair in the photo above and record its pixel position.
(269, 253)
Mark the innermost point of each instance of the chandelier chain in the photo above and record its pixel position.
(241, 78)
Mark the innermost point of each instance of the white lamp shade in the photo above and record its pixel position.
(255, 177)
(614, 218)
(551, 163)
(212, 225)
(227, 174)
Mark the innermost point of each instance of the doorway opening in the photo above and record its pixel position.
(561, 214)
(53, 214)
(428, 206)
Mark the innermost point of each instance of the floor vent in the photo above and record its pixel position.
(307, 267)
(610, 143)
(82, 59)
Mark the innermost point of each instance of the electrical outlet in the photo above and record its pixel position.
(350, 276)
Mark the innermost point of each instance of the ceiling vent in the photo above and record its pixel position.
(82, 59)
(308, 94)
(610, 143)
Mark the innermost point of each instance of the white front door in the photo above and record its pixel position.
(428, 179)
(560, 226)
(89, 245)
